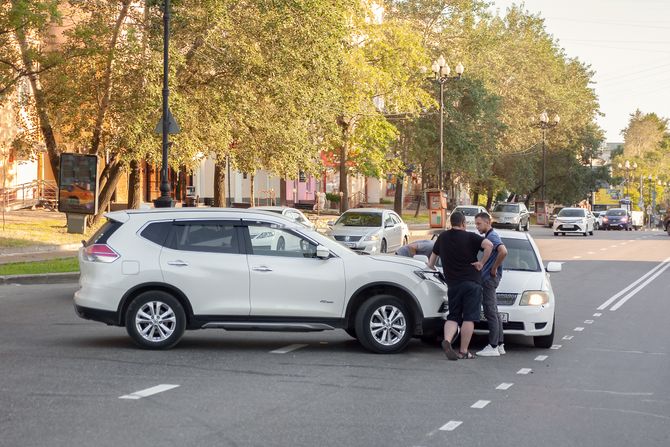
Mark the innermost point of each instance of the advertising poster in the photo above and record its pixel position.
(78, 185)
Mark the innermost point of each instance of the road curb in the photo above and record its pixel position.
(46, 278)
(35, 249)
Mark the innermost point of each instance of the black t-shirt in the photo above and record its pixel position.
(457, 250)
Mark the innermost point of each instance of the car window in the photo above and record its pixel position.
(396, 219)
(506, 208)
(523, 208)
(213, 237)
(616, 213)
(520, 255)
(157, 232)
(104, 232)
(357, 219)
(571, 212)
(269, 241)
(467, 211)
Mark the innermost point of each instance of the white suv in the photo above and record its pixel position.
(159, 272)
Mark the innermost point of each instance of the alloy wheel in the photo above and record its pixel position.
(388, 325)
(155, 321)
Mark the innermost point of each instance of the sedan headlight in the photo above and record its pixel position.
(534, 298)
(371, 237)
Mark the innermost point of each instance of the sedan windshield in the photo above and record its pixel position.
(355, 219)
(616, 213)
(467, 211)
(504, 208)
(520, 256)
(568, 212)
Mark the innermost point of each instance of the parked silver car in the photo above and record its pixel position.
(292, 213)
(370, 230)
(511, 215)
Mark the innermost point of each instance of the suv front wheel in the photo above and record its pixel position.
(155, 320)
(383, 324)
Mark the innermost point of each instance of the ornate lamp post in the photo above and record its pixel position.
(627, 166)
(441, 71)
(545, 125)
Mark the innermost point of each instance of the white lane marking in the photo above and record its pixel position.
(588, 321)
(524, 371)
(286, 349)
(590, 252)
(568, 337)
(603, 249)
(480, 404)
(613, 246)
(541, 358)
(576, 257)
(597, 314)
(635, 283)
(579, 329)
(623, 300)
(554, 347)
(504, 386)
(451, 425)
(148, 392)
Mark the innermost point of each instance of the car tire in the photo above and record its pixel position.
(518, 226)
(591, 232)
(166, 330)
(586, 233)
(380, 339)
(545, 341)
(405, 240)
(555, 233)
(351, 332)
(527, 226)
(384, 247)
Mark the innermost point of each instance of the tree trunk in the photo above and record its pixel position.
(344, 187)
(40, 102)
(397, 199)
(107, 191)
(252, 190)
(422, 193)
(134, 185)
(107, 79)
(475, 197)
(282, 192)
(489, 198)
(220, 182)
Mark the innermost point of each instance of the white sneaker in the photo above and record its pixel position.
(501, 349)
(488, 351)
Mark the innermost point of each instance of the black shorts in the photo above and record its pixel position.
(465, 301)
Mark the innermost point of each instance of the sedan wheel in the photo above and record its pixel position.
(155, 320)
(383, 324)
(383, 247)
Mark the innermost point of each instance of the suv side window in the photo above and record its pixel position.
(157, 232)
(205, 236)
(267, 240)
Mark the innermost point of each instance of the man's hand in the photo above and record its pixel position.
(494, 273)
(478, 265)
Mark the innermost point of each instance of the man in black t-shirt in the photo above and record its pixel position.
(458, 249)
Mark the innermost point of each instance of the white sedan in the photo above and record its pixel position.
(574, 220)
(370, 230)
(470, 211)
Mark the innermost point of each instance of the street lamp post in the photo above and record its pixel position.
(165, 200)
(627, 166)
(544, 125)
(441, 71)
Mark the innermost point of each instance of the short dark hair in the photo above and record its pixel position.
(457, 219)
(483, 216)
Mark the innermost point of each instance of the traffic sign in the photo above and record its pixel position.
(173, 127)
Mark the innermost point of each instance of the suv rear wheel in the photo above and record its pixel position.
(383, 324)
(155, 320)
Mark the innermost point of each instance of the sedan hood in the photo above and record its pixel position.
(353, 231)
(514, 281)
(499, 214)
(404, 260)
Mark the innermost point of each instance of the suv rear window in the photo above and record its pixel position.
(204, 236)
(103, 233)
(157, 232)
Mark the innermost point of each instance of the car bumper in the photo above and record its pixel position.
(371, 247)
(105, 316)
(505, 224)
(530, 321)
(570, 228)
(620, 225)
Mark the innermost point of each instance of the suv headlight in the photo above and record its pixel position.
(534, 298)
(371, 237)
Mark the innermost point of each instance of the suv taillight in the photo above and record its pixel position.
(100, 253)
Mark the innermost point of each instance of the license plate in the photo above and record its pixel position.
(350, 244)
(504, 316)
(569, 227)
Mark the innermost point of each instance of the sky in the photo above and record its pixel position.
(626, 43)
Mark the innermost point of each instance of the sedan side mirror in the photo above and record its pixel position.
(322, 252)
(553, 267)
(388, 225)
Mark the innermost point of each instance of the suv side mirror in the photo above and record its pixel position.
(322, 252)
(554, 267)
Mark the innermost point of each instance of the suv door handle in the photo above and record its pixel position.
(178, 263)
(262, 268)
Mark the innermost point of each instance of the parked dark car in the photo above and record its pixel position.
(617, 219)
(552, 216)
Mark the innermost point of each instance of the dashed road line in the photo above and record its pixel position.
(148, 392)
(504, 386)
(597, 314)
(480, 404)
(568, 337)
(576, 257)
(555, 347)
(287, 349)
(524, 371)
(541, 358)
(578, 329)
(451, 425)
(588, 321)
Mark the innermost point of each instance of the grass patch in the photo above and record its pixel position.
(410, 219)
(63, 265)
(41, 232)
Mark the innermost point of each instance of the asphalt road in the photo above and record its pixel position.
(66, 381)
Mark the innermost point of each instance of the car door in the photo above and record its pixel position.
(204, 259)
(293, 282)
(390, 232)
(398, 229)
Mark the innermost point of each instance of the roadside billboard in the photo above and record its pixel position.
(78, 184)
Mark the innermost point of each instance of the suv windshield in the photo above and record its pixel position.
(355, 219)
(470, 212)
(506, 208)
(567, 212)
(616, 213)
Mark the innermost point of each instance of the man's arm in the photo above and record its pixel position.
(432, 261)
(487, 246)
(502, 253)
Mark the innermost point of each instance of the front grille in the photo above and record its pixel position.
(506, 299)
(512, 325)
(347, 238)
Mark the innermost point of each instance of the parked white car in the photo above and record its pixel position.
(158, 272)
(470, 211)
(574, 220)
(370, 230)
(291, 213)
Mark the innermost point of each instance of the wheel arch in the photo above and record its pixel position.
(384, 288)
(145, 287)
